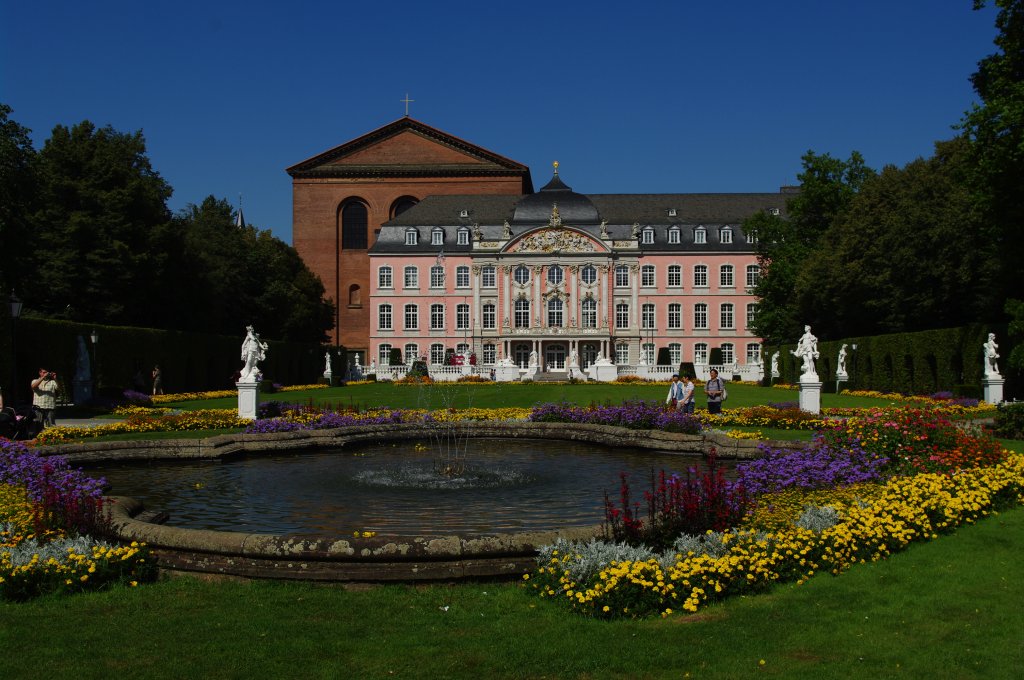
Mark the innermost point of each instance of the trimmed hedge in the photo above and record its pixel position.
(924, 362)
(188, 361)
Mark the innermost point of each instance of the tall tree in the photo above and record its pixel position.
(906, 254)
(785, 244)
(996, 128)
(98, 252)
(17, 200)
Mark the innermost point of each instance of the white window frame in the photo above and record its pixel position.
(437, 276)
(556, 313)
(753, 275)
(437, 317)
(555, 275)
(489, 316)
(648, 314)
(675, 236)
(726, 276)
(385, 276)
(675, 353)
(521, 313)
(588, 313)
(411, 312)
(488, 276)
(385, 317)
(462, 316)
(462, 276)
(648, 276)
(622, 354)
(725, 235)
(622, 315)
(647, 236)
(436, 354)
(462, 237)
(727, 316)
(728, 353)
(700, 235)
(675, 316)
(412, 237)
(700, 353)
(490, 353)
(412, 352)
(384, 354)
(410, 277)
(622, 276)
(700, 276)
(700, 316)
(521, 275)
(675, 271)
(588, 272)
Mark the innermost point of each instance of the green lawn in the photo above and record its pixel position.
(949, 608)
(500, 395)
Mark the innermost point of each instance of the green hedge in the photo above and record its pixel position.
(188, 361)
(947, 359)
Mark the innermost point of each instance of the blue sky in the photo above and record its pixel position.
(645, 97)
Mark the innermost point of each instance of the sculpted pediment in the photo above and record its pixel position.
(556, 239)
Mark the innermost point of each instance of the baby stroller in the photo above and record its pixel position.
(22, 423)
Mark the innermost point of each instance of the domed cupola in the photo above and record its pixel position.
(574, 209)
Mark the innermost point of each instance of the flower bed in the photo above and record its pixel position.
(209, 419)
(634, 415)
(47, 513)
(220, 394)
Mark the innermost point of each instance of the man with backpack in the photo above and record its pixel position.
(714, 388)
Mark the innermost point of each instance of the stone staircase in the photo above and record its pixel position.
(552, 376)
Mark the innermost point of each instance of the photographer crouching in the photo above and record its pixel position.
(44, 395)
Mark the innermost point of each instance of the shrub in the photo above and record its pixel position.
(1010, 421)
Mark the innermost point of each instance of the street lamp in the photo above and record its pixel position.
(95, 337)
(16, 306)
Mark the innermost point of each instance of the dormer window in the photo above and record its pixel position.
(463, 213)
(647, 237)
(725, 235)
(463, 237)
(412, 237)
(437, 237)
(671, 212)
(773, 211)
(700, 235)
(674, 236)
(751, 238)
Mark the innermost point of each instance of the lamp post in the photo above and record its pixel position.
(95, 337)
(16, 306)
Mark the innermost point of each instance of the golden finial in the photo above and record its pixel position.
(556, 167)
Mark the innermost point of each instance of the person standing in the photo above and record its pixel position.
(44, 395)
(689, 392)
(158, 380)
(675, 393)
(714, 388)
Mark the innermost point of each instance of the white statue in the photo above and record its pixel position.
(841, 361)
(254, 350)
(506, 231)
(643, 358)
(807, 350)
(574, 359)
(327, 364)
(991, 354)
(533, 359)
(604, 230)
(357, 360)
(775, 365)
(373, 365)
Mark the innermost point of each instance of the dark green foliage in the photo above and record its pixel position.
(395, 357)
(419, 369)
(687, 368)
(1010, 421)
(715, 356)
(664, 357)
(18, 161)
(1015, 358)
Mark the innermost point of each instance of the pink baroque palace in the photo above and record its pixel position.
(557, 284)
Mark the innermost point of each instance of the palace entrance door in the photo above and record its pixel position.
(554, 357)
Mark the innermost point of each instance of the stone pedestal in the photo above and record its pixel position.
(82, 391)
(506, 373)
(603, 372)
(993, 389)
(810, 397)
(248, 399)
(842, 376)
(528, 373)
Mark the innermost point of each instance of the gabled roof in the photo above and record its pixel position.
(437, 154)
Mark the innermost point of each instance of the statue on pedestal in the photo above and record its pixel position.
(991, 355)
(254, 350)
(775, 365)
(841, 362)
(327, 364)
(807, 350)
(533, 359)
(574, 359)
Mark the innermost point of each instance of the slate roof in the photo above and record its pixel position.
(620, 211)
(489, 163)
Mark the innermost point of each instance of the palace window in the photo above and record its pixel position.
(354, 226)
(462, 277)
(751, 238)
(700, 235)
(753, 275)
(674, 236)
(490, 353)
(462, 237)
(725, 276)
(728, 353)
(700, 316)
(647, 237)
(401, 205)
(622, 315)
(675, 316)
(589, 274)
(725, 235)
(522, 313)
(647, 275)
(647, 349)
(384, 317)
(675, 276)
(463, 349)
(675, 353)
(647, 317)
(726, 316)
(700, 353)
(555, 275)
(437, 353)
(411, 277)
(437, 237)
(753, 353)
(588, 318)
(384, 277)
(700, 276)
(489, 316)
(462, 317)
(622, 276)
(412, 352)
(437, 317)
(555, 313)
(412, 317)
(751, 313)
(437, 276)
(622, 354)
(412, 237)
(384, 354)
(488, 278)
(522, 275)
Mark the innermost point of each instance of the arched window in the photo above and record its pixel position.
(673, 239)
(436, 317)
(437, 353)
(675, 353)
(384, 317)
(384, 277)
(555, 275)
(412, 318)
(675, 317)
(462, 317)
(647, 276)
(700, 316)
(384, 354)
(622, 315)
(354, 225)
(647, 237)
(700, 235)
(521, 274)
(726, 316)
(675, 275)
(588, 274)
(728, 353)
(355, 296)
(437, 276)
(401, 205)
(753, 275)
(412, 353)
(622, 276)
(700, 353)
(462, 276)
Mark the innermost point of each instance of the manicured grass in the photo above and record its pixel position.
(174, 434)
(501, 395)
(944, 609)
